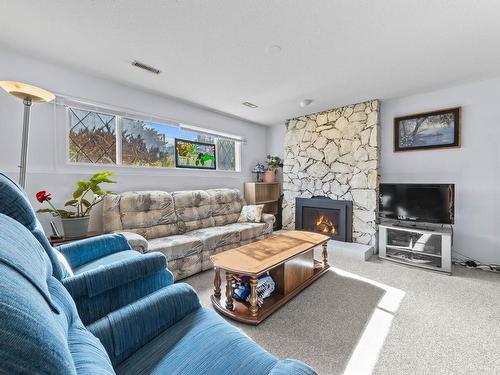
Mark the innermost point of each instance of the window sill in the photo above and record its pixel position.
(140, 170)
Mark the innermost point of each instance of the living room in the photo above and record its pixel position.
(249, 188)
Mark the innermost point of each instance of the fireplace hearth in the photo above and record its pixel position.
(324, 215)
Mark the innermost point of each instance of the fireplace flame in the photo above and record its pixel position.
(325, 225)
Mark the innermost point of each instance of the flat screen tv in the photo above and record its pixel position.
(431, 203)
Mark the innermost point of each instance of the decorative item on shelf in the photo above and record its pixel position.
(75, 223)
(429, 130)
(241, 288)
(259, 170)
(191, 154)
(273, 163)
(29, 94)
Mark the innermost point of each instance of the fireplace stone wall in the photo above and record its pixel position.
(335, 154)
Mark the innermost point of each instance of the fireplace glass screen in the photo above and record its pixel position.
(321, 220)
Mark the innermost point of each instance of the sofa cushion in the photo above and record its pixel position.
(226, 205)
(148, 213)
(185, 267)
(193, 210)
(251, 214)
(177, 246)
(248, 231)
(106, 260)
(201, 343)
(216, 237)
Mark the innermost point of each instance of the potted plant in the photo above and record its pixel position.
(75, 221)
(273, 163)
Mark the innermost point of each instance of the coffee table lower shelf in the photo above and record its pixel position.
(241, 310)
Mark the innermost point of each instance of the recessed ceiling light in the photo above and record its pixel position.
(274, 49)
(146, 67)
(305, 102)
(250, 105)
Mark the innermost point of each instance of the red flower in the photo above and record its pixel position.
(43, 196)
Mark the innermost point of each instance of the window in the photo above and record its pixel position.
(226, 154)
(99, 138)
(92, 137)
(144, 144)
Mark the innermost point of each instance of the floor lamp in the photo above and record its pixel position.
(29, 94)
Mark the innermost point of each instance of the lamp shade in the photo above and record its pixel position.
(24, 91)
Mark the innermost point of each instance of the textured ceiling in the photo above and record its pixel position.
(217, 53)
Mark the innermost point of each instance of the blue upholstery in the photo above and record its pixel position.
(84, 251)
(124, 331)
(14, 203)
(169, 333)
(104, 271)
(291, 367)
(201, 343)
(166, 332)
(40, 330)
(106, 287)
(105, 261)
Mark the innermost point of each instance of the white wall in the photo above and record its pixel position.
(47, 166)
(275, 136)
(276, 139)
(474, 168)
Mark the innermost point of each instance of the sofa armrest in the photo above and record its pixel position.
(291, 367)
(80, 252)
(124, 331)
(268, 218)
(136, 241)
(103, 278)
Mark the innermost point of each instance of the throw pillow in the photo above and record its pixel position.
(251, 214)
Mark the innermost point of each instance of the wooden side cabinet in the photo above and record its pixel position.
(266, 193)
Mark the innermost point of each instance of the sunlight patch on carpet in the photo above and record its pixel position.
(366, 353)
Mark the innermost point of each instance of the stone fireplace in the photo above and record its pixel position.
(335, 155)
(325, 215)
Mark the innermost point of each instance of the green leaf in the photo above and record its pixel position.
(72, 202)
(66, 214)
(86, 203)
(81, 186)
(97, 190)
(44, 210)
(102, 177)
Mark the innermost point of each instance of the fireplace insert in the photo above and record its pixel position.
(324, 215)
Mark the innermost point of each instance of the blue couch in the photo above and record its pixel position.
(102, 273)
(166, 332)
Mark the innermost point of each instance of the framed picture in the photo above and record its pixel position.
(192, 154)
(429, 130)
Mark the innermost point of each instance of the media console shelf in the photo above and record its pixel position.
(428, 248)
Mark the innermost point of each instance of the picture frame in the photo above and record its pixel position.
(428, 130)
(195, 155)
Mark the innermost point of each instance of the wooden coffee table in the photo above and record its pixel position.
(289, 259)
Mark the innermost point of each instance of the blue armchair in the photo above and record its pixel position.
(166, 332)
(102, 273)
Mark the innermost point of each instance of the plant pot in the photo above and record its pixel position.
(269, 176)
(75, 226)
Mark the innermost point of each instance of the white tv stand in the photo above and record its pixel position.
(423, 246)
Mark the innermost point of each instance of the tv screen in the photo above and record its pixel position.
(431, 203)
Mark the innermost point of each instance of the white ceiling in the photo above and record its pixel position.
(216, 53)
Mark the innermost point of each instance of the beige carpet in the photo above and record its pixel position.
(431, 323)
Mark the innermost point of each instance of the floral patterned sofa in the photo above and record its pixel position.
(186, 226)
